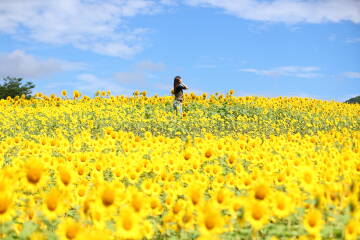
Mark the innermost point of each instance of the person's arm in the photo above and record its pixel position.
(183, 86)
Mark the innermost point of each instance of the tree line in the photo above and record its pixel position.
(13, 87)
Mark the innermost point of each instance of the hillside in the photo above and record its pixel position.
(353, 100)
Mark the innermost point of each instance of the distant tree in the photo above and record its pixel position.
(354, 100)
(13, 87)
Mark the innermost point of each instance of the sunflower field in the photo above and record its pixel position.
(116, 167)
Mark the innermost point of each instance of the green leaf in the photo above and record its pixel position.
(28, 229)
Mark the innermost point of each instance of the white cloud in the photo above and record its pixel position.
(121, 83)
(97, 26)
(164, 86)
(353, 40)
(130, 77)
(288, 11)
(150, 66)
(101, 25)
(21, 64)
(90, 83)
(168, 2)
(351, 74)
(140, 74)
(293, 71)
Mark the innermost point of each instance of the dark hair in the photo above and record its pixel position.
(176, 82)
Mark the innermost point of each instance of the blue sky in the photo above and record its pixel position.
(256, 47)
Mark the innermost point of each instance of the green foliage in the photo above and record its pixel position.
(13, 87)
(353, 100)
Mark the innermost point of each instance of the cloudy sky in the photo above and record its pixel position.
(307, 48)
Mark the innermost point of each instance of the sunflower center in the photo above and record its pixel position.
(108, 197)
(81, 192)
(195, 198)
(186, 218)
(127, 224)
(65, 178)
(260, 193)
(71, 232)
(176, 208)
(154, 204)
(208, 153)
(231, 159)
(281, 205)
(136, 203)
(308, 178)
(51, 203)
(256, 214)
(312, 222)
(210, 222)
(33, 175)
(220, 198)
(4, 204)
(350, 229)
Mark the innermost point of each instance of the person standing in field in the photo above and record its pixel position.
(178, 92)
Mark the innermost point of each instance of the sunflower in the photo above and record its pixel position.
(195, 194)
(65, 176)
(261, 191)
(187, 155)
(352, 229)
(137, 201)
(256, 213)
(188, 219)
(128, 224)
(107, 195)
(231, 160)
(308, 178)
(34, 173)
(76, 94)
(53, 204)
(208, 153)
(237, 209)
(155, 205)
(6, 209)
(210, 220)
(69, 229)
(313, 221)
(281, 205)
(223, 197)
(93, 233)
